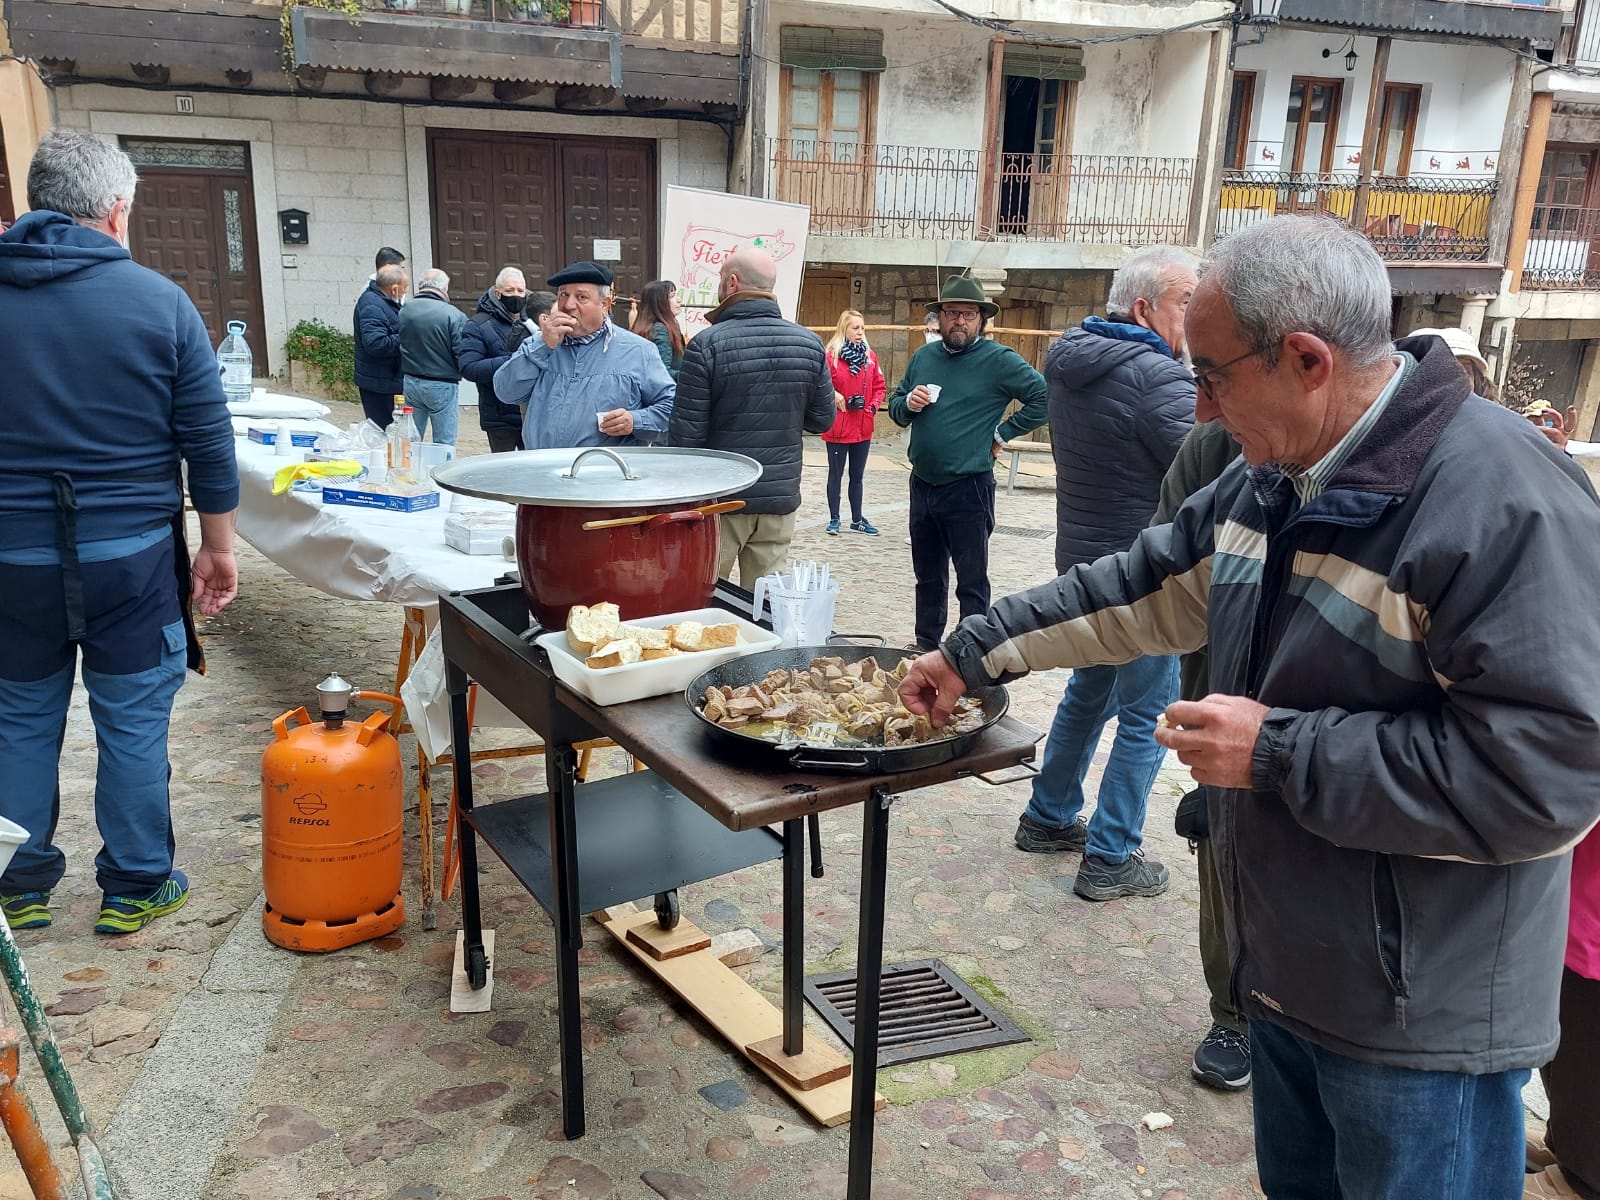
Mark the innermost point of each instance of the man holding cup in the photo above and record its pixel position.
(586, 382)
(953, 397)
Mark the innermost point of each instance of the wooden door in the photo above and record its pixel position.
(608, 191)
(1051, 182)
(539, 203)
(1025, 315)
(825, 155)
(822, 298)
(8, 207)
(198, 229)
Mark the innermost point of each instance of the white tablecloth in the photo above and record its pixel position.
(354, 553)
(368, 554)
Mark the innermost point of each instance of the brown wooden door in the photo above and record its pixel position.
(1025, 315)
(538, 203)
(198, 229)
(822, 299)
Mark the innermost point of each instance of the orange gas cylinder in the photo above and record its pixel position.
(331, 839)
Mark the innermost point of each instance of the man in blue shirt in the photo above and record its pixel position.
(586, 382)
(92, 553)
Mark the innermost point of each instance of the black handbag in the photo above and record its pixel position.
(1192, 821)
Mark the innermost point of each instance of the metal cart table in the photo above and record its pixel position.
(695, 814)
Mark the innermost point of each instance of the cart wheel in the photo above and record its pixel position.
(667, 910)
(477, 967)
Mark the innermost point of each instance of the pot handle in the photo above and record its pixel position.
(800, 762)
(622, 463)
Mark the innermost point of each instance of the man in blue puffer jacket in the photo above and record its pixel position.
(92, 553)
(1120, 405)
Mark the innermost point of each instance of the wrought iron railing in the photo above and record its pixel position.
(927, 191)
(573, 14)
(1420, 218)
(1563, 250)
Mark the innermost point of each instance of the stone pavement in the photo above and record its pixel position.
(226, 1068)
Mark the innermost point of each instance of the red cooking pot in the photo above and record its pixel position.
(626, 525)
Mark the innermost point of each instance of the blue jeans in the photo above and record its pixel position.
(435, 400)
(1332, 1128)
(133, 664)
(1135, 693)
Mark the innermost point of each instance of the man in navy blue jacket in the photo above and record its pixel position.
(93, 560)
(377, 324)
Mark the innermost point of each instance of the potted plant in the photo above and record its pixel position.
(459, 8)
(584, 14)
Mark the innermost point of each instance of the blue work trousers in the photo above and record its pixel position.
(133, 660)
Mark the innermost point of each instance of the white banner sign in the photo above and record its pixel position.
(701, 229)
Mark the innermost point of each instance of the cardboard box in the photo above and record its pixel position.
(380, 497)
(306, 438)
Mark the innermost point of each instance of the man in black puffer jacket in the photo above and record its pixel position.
(1121, 402)
(506, 314)
(750, 384)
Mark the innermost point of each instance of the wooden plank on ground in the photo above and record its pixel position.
(817, 1063)
(684, 938)
(742, 1015)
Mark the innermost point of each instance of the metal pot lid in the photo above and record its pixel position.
(600, 476)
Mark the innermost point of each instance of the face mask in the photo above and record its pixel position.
(513, 304)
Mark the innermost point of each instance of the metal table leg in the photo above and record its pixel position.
(474, 958)
(869, 989)
(794, 926)
(561, 771)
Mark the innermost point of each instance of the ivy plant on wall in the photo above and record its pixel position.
(350, 8)
(331, 352)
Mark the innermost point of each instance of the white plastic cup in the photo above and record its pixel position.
(600, 421)
(378, 466)
(933, 390)
(283, 444)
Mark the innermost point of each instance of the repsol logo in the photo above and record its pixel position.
(318, 821)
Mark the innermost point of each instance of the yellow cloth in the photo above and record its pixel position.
(335, 468)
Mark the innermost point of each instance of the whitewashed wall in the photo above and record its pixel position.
(1465, 94)
(359, 169)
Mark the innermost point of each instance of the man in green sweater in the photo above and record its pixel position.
(953, 396)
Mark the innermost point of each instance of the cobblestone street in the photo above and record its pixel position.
(227, 1068)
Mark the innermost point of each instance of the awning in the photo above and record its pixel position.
(407, 45)
(1533, 24)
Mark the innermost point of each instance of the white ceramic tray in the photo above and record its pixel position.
(658, 677)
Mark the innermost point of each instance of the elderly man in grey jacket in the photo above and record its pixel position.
(1397, 762)
(1121, 402)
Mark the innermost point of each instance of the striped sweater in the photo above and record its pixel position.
(1396, 877)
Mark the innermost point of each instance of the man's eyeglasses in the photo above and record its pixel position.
(960, 314)
(1206, 379)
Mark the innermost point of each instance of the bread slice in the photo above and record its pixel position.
(648, 638)
(686, 635)
(651, 653)
(718, 637)
(614, 654)
(589, 628)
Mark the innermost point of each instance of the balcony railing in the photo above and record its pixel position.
(574, 14)
(1415, 219)
(856, 190)
(1563, 250)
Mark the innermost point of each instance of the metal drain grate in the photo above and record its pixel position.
(1023, 531)
(927, 1011)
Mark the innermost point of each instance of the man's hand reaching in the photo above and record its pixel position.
(932, 686)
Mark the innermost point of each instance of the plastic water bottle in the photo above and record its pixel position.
(403, 448)
(234, 364)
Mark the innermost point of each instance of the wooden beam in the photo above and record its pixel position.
(311, 78)
(1203, 189)
(1528, 172)
(1506, 162)
(220, 34)
(584, 96)
(1369, 135)
(240, 78)
(446, 88)
(151, 73)
(509, 91)
(383, 83)
(994, 98)
(755, 100)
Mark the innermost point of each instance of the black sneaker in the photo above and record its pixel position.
(1102, 880)
(1222, 1060)
(1038, 838)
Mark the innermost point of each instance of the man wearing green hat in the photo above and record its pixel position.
(953, 395)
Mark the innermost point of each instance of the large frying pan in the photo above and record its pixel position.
(880, 760)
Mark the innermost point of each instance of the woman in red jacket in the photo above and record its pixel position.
(858, 391)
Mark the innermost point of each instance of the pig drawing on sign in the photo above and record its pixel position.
(705, 250)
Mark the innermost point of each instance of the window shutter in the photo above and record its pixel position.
(1045, 62)
(831, 50)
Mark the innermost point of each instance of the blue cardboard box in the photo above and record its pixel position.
(392, 501)
(306, 438)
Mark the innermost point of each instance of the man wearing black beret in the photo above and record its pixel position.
(586, 382)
